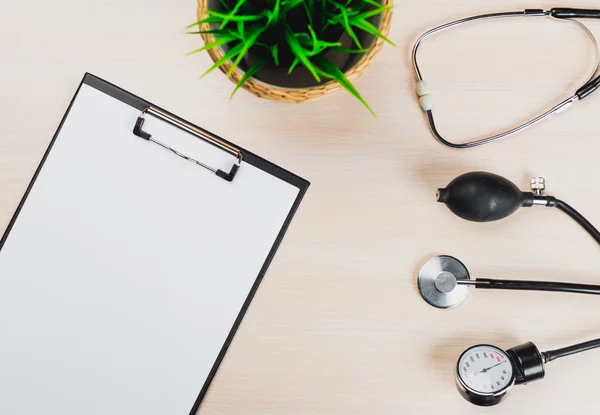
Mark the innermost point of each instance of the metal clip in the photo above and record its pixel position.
(138, 131)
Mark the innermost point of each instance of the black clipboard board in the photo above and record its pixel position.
(248, 157)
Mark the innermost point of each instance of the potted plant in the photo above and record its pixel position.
(293, 50)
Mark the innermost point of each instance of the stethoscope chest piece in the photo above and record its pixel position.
(439, 281)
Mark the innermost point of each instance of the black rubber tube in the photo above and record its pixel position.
(589, 88)
(568, 351)
(570, 13)
(578, 217)
(493, 284)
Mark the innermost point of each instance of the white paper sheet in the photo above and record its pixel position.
(127, 267)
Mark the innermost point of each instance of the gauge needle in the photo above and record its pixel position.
(491, 367)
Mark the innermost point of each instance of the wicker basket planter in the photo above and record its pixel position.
(295, 95)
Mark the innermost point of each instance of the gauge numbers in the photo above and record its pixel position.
(485, 370)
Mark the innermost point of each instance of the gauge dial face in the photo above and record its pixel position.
(486, 370)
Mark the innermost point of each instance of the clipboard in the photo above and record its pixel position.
(127, 269)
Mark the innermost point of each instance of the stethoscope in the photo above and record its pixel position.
(591, 85)
(485, 374)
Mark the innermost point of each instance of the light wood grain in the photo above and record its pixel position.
(338, 326)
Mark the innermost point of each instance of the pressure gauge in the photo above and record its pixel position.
(484, 375)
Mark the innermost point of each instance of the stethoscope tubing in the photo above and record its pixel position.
(521, 285)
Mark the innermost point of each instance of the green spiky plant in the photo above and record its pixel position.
(288, 33)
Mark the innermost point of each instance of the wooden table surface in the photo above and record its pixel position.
(338, 326)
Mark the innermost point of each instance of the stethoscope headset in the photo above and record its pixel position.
(590, 85)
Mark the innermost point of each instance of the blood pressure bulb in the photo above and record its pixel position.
(482, 197)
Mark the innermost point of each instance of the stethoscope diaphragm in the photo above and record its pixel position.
(440, 281)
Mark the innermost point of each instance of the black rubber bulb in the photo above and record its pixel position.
(482, 197)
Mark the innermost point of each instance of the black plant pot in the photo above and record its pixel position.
(300, 78)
